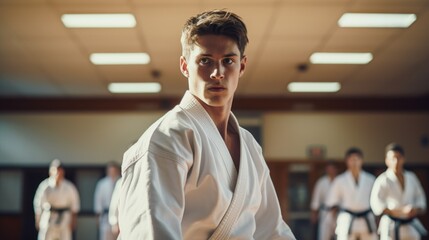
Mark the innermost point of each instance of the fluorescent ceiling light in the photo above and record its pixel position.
(377, 20)
(114, 20)
(146, 87)
(340, 58)
(119, 58)
(314, 87)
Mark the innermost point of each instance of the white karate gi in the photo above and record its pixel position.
(114, 204)
(102, 197)
(347, 195)
(53, 225)
(326, 226)
(179, 179)
(387, 193)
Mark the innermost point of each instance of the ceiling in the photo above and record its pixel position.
(39, 57)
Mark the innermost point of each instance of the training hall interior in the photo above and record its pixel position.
(322, 76)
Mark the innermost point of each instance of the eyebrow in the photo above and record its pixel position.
(226, 55)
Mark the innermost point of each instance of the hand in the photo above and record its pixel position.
(409, 211)
(314, 217)
(115, 229)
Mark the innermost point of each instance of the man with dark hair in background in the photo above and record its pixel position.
(351, 191)
(398, 195)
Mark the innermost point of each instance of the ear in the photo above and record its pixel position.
(243, 63)
(184, 66)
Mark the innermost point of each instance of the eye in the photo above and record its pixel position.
(228, 61)
(204, 61)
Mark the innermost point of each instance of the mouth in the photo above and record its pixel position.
(216, 88)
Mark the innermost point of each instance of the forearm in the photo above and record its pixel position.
(73, 222)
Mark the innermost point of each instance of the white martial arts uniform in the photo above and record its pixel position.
(326, 224)
(387, 193)
(48, 202)
(348, 195)
(114, 204)
(102, 197)
(179, 182)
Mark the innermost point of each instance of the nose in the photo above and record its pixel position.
(217, 72)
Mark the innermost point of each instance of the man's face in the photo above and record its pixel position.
(354, 162)
(213, 68)
(395, 161)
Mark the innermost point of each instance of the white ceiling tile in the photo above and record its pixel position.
(312, 20)
(32, 21)
(358, 40)
(109, 40)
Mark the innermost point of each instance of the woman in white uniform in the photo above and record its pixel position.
(195, 173)
(398, 196)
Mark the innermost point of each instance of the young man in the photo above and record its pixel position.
(195, 173)
(351, 191)
(102, 198)
(319, 210)
(56, 204)
(399, 196)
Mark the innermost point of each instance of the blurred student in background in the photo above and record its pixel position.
(56, 204)
(113, 209)
(319, 211)
(102, 198)
(398, 196)
(351, 191)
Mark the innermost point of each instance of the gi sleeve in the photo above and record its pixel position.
(152, 197)
(378, 196)
(419, 194)
(269, 221)
(334, 196)
(75, 199)
(315, 200)
(98, 198)
(113, 208)
(40, 198)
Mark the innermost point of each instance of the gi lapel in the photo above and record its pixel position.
(223, 231)
(224, 228)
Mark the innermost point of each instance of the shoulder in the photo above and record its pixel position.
(172, 136)
(69, 185)
(368, 175)
(43, 185)
(411, 175)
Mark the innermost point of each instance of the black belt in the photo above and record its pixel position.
(403, 221)
(60, 212)
(362, 214)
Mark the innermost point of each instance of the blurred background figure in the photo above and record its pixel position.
(319, 211)
(399, 196)
(56, 204)
(113, 209)
(102, 198)
(351, 191)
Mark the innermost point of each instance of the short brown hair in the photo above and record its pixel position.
(216, 22)
(354, 150)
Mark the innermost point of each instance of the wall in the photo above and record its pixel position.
(95, 138)
(287, 135)
(75, 138)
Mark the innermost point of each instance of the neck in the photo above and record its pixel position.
(355, 173)
(220, 117)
